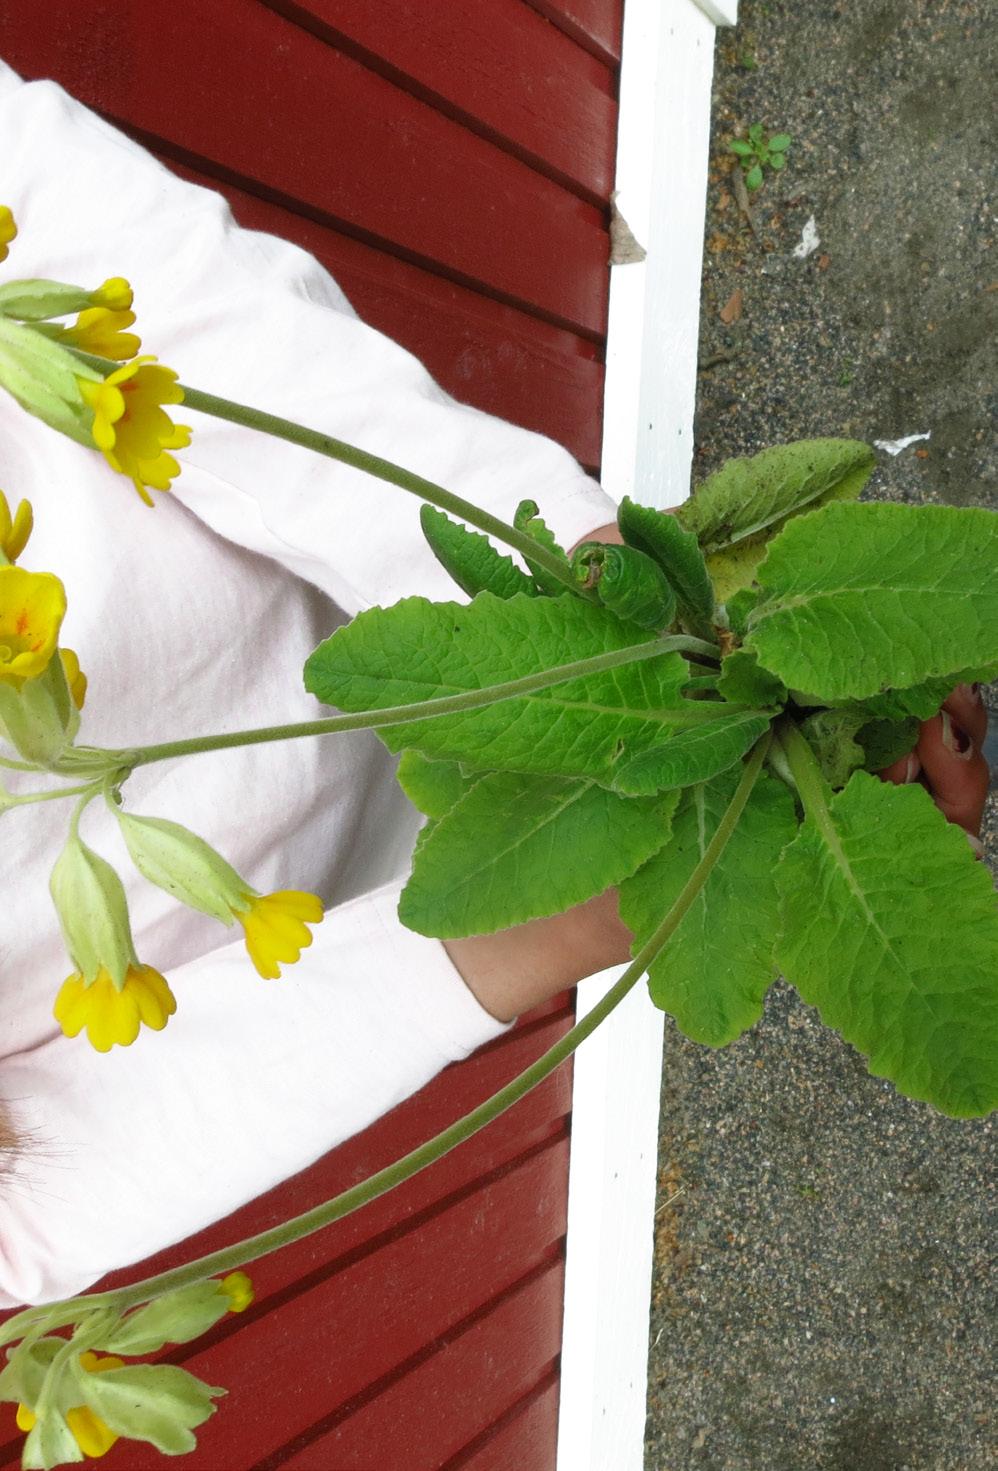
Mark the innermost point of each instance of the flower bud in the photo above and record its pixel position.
(14, 530)
(90, 901)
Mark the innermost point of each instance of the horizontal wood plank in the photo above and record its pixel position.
(525, 1439)
(492, 356)
(443, 1403)
(221, 83)
(500, 69)
(595, 24)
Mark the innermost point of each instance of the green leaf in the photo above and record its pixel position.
(779, 143)
(753, 496)
(733, 570)
(744, 150)
(743, 682)
(677, 551)
(715, 970)
(860, 599)
(901, 953)
(527, 520)
(753, 179)
(155, 1402)
(420, 650)
(920, 701)
(886, 741)
(692, 755)
(470, 558)
(737, 609)
(755, 132)
(518, 847)
(434, 787)
(626, 581)
(776, 161)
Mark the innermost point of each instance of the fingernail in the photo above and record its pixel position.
(971, 692)
(956, 739)
(912, 769)
(976, 844)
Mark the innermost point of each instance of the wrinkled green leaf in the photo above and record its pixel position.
(691, 755)
(516, 847)
(737, 609)
(677, 551)
(901, 953)
(159, 1403)
(753, 179)
(626, 581)
(863, 598)
(715, 970)
(885, 741)
(752, 496)
(744, 682)
(527, 520)
(470, 558)
(434, 787)
(420, 650)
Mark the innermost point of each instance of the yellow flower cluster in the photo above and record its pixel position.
(124, 411)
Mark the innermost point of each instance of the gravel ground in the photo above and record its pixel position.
(821, 1297)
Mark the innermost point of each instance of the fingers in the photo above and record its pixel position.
(969, 712)
(951, 761)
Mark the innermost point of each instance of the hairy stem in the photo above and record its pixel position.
(231, 1257)
(425, 709)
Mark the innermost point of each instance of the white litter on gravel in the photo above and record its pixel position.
(809, 240)
(895, 446)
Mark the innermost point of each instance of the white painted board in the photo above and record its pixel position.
(647, 452)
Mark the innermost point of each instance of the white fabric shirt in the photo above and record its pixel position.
(197, 617)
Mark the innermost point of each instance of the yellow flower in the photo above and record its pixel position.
(14, 530)
(115, 293)
(102, 331)
(131, 427)
(275, 928)
(8, 230)
(90, 1433)
(239, 1290)
(75, 677)
(112, 1016)
(32, 607)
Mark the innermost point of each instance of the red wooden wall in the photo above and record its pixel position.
(450, 162)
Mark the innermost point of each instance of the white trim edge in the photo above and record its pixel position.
(663, 144)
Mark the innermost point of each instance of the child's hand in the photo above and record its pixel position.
(948, 761)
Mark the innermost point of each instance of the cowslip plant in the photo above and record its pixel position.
(693, 717)
(756, 153)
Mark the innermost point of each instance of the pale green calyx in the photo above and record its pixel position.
(177, 860)
(39, 719)
(37, 300)
(42, 376)
(90, 901)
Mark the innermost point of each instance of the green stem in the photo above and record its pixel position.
(24, 798)
(348, 454)
(425, 709)
(231, 1257)
(19, 765)
(813, 788)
